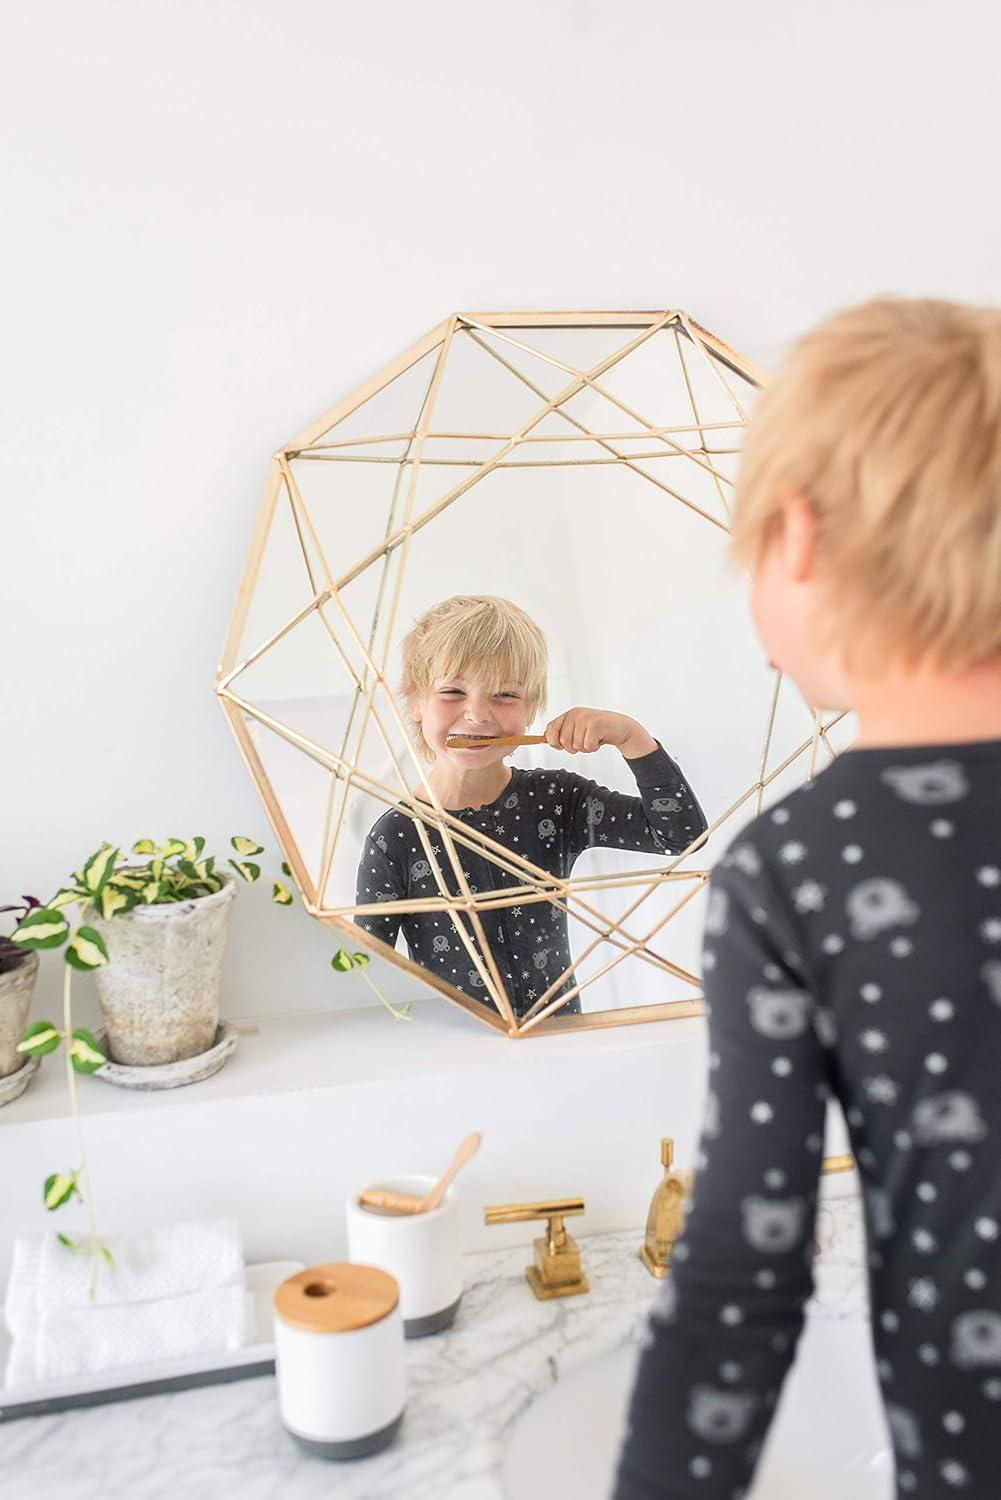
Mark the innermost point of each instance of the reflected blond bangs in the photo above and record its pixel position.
(480, 636)
(887, 417)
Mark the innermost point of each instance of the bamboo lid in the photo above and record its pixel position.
(335, 1298)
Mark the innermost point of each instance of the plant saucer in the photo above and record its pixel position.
(13, 1085)
(170, 1075)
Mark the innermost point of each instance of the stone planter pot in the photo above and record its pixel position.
(16, 986)
(159, 991)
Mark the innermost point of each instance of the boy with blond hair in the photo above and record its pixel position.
(853, 934)
(477, 665)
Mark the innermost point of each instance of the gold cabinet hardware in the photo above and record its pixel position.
(556, 1271)
(667, 1214)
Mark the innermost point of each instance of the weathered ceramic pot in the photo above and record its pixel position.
(16, 986)
(159, 991)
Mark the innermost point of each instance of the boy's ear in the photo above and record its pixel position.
(798, 538)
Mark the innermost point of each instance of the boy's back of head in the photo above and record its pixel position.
(887, 418)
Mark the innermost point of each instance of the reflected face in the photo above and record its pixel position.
(462, 705)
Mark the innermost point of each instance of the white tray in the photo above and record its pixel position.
(167, 1374)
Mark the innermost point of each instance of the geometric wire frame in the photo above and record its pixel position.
(522, 348)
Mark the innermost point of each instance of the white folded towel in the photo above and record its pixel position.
(173, 1291)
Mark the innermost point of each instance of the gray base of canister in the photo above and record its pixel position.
(419, 1328)
(372, 1442)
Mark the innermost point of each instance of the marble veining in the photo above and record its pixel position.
(465, 1388)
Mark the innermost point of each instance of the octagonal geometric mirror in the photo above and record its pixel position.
(580, 466)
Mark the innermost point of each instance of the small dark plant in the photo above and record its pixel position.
(11, 955)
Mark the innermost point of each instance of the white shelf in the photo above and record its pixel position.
(344, 1048)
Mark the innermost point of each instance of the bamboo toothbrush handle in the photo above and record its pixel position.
(466, 1152)
(456, 741)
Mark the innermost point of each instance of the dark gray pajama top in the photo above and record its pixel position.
(550, 817)
(853, 948)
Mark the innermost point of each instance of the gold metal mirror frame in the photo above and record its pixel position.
(375, 703)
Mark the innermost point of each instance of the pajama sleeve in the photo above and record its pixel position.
(724, 1326)
(664, 819)
(379, 880)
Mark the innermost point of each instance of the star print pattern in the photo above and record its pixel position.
(549, 818)
(899, 1020)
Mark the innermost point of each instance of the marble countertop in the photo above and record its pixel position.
(466, 1387)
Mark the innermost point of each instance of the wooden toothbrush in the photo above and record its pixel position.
(478, 741)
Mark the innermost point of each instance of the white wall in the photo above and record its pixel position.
(220, 217)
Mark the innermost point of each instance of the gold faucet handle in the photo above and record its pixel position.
(556, 1271)
(545, 1208)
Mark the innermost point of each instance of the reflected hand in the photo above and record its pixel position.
(586, 729)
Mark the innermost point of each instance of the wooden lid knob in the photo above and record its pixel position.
(336, 1298)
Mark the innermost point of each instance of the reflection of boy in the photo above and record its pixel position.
(853, 931)
(477, 665)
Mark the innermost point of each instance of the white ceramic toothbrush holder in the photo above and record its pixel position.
(420, 1250)
(339, 1359)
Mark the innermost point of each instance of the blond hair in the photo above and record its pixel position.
(476, 635)
(887, 418)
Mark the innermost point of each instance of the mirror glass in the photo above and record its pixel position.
(580, 467)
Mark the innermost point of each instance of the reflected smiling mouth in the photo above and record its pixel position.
(468, 741)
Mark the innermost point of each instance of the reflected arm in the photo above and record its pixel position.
(379, 880)
(664, 819)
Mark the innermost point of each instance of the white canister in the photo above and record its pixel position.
(420, 1250)
(339, 1358)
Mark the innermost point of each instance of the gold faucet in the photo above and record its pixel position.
(556, 1271)
(667, 1214)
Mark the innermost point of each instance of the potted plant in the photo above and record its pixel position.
(18, 972)
(163, 916)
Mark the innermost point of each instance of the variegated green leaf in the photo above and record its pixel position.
(107, 1257)
(246, 871)
(151, 892)
(245, 847)
(98, 868)
(110, 900)
(67, 896)
(87, 950)
(156, 868)
(85, 1055)
(59, 1189)
(42, 928)
(361, 959)
(172, 847)
(144, 846)
(280, 894)
(128, 880)
(286, 870)
(199, 844)
(39, 1038)
(64, 1239)
(342, 961)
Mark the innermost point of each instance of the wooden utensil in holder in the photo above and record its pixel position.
(383, 1201)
